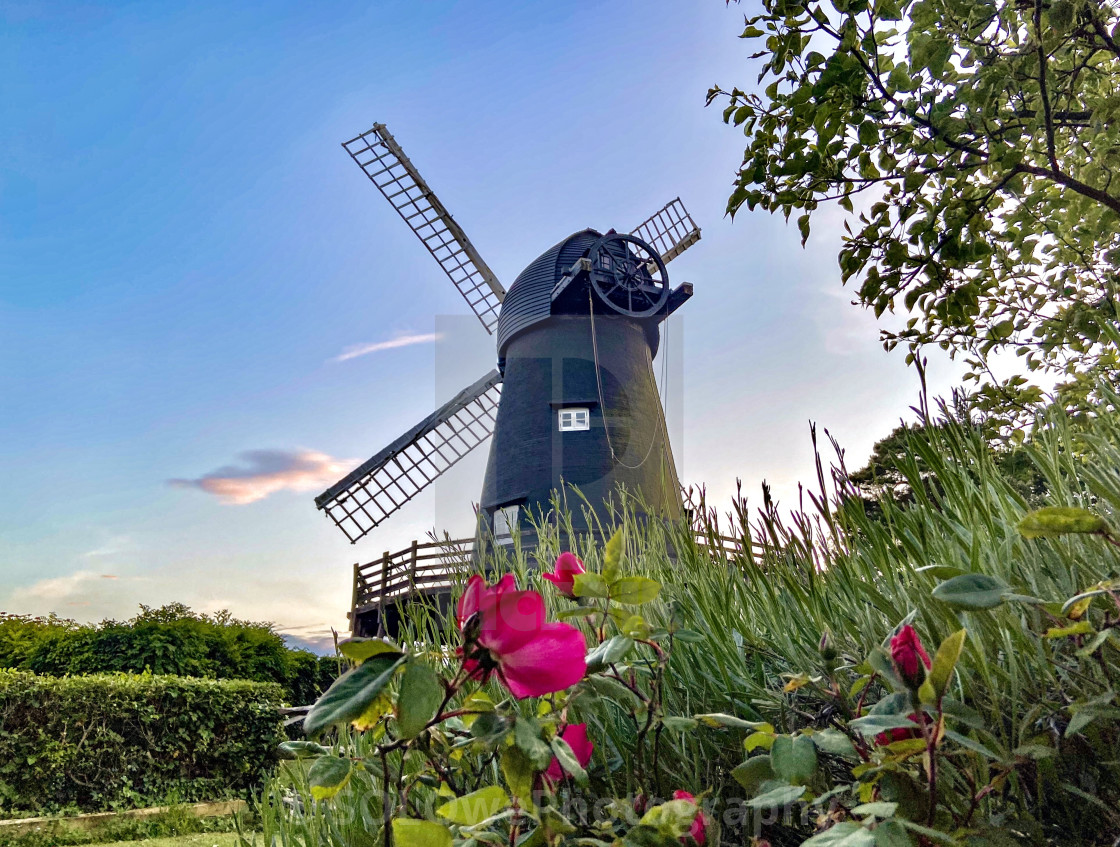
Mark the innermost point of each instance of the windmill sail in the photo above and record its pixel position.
(380, 486)
(669, 231)
(381, 158)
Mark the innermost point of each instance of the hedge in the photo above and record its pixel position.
(112, 740)
(172, 640)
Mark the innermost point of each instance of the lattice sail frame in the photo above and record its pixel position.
(379, 487)
(670, 231)
(377, 153)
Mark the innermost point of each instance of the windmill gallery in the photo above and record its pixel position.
(573, 403)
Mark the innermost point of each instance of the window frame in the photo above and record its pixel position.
(579, 419)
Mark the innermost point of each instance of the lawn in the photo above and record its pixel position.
(204, 839)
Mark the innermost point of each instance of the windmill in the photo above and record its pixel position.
(573, 401)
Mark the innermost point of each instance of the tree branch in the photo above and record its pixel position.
(1051, 148)
(1069, 182)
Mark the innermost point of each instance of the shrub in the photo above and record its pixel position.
(95, 742)
(171, 640)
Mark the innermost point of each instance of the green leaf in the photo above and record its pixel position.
(880, 662)
(634, 590)
(777, 798)
(302, 750)
(762, 738)
(647, 836)
(419, 699)
(568, 760)
(382, 705)
(609, 652)
(519, 772)
(359, 649)
(635, 626)
(834, 743)
(1079, 628)
(672, 819)
(971, 592)
(945, 660)
(843, 834)
(877, 810)
(932, 834)
(971, 744)
(328, 775)
(577, 612)
(527, 736)
(1052, 521)
(940, 571)
(489, 728)
(874, 724)
(350, 694)
(555, 823)
(606, 686)
(892, 834)
(612, 557)
(1094, 645)
(589, 585)
(415, 833)
(474, 808)
(715, 719)
(794, 758)
(753, 772)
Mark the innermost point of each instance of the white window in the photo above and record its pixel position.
(505, 522)
(574, 419)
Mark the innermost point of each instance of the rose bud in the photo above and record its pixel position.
(827, 647)
(909, 658)
(563, 576)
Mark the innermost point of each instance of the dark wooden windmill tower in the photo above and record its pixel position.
(573, 401)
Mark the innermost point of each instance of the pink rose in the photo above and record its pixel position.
(505, 633)
(476, 590)
(909, 657)
(698, 831)
(563, 576)
(576, 737)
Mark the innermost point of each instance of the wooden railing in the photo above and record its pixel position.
(420, 569)
(435, 566)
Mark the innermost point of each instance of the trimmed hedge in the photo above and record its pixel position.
(172, 640)
(96, 742)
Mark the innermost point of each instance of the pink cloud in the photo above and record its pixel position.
(264, 472)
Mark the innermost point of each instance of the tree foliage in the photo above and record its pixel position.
(980, 140)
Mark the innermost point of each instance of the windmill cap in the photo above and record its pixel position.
(529, 300)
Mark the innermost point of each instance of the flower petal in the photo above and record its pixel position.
(568, 564)
(576, 736)
(510, 619)
(472, 597)
(506, 583)
(551, 661)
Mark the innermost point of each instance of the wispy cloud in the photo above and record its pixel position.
(356, 350)
(114, 546)
(264, 472)
(79, 594)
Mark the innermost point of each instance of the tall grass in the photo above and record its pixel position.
(759, 612)
(833, 567)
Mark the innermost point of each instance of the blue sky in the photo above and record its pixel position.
(186, 251)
